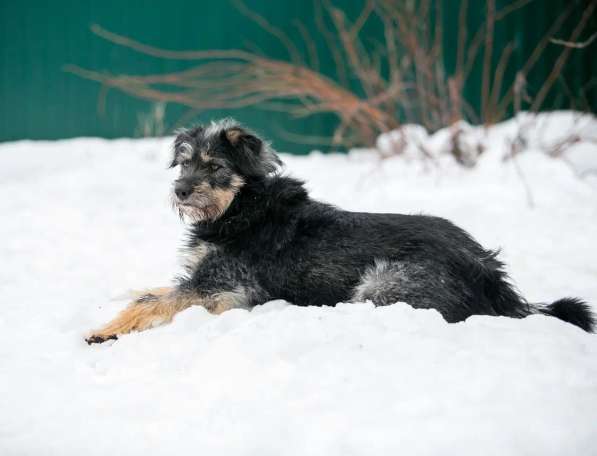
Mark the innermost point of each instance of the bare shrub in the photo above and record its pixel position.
(403, 77)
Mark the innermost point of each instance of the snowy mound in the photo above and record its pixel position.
(85, 221)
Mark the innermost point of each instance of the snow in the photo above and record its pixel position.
(86, 220)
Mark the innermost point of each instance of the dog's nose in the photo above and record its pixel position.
(183, 190)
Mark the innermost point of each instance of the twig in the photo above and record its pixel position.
(525, 183)
(534, 57)
(557, 68)
(293, 53)
(489, 32)
(497, 82)
(571, 44)
(167, 54)
(310, 44)
(402, 77)
(331, 42)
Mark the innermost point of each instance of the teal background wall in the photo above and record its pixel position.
(41, 101)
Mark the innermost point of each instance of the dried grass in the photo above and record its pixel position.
(402, 77)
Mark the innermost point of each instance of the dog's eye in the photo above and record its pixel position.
(213, 167)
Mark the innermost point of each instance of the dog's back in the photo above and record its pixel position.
(311, 253)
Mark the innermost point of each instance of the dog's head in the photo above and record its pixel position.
(215, 162)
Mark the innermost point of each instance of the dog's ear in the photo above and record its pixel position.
(253, 156)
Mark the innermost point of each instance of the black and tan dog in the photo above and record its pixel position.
(256, 235)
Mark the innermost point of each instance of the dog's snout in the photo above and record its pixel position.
(183, 190)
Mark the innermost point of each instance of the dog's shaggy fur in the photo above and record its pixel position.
(255, 235)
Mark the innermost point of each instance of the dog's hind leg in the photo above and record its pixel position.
(422, 284)
(158, 306)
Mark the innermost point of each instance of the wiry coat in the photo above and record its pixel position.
(256, 235)
(273, 241)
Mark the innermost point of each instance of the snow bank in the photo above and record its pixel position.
(86, 220)
(571, 136)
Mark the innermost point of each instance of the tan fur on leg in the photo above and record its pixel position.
(227, 300)
(157, 306)
(154, 307)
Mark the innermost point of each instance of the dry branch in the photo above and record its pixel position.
(571, 44)
(403, 77)
(559, 65)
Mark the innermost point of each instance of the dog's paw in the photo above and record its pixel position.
(95, 339)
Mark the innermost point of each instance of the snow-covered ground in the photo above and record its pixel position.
(83, 221)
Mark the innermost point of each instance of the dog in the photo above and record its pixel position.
(256, 235)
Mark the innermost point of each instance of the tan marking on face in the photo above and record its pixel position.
(205, 156)
(211, 203)
(233, 135)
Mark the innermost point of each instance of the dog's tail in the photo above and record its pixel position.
(505, 299)
(571, 310)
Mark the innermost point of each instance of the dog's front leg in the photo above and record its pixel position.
(151, 308)
(158, 306)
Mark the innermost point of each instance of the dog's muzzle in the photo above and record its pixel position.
(191, 202)
(183, 190)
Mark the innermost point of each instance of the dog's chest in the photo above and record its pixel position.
(192, 257)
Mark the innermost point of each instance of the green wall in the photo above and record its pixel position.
(37, 38)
